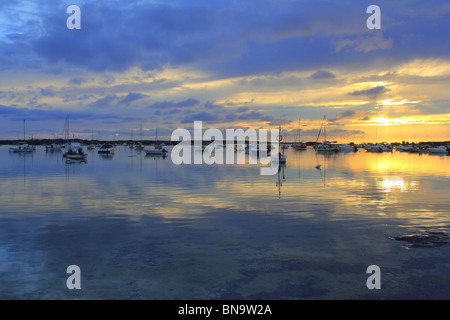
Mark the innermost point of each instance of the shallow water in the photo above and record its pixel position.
(144, 228)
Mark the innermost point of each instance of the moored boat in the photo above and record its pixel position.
(347, 148)
(379, 147)
(23, 147)
(53, 148)
(155, 151)
(75, 152)
(440, 149)
(106, 149)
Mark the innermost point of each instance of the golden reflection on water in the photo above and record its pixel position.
(154, 221)
(357, 183)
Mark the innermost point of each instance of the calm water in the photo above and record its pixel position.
(143, 228)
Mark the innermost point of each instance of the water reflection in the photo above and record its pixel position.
(159, 230)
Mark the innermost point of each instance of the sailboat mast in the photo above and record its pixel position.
(299, 131)
(24, 130)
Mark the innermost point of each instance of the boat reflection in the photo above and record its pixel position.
(281, 177)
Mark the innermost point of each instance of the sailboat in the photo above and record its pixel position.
(299, 145)
(281, 156)
(22, 147)
(156, 149)
(326, 146)
(53, 147)
(139, 146)
(92, 145)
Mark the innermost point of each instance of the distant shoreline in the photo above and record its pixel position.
(39, 142)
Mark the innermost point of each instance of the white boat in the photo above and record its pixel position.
(106, 149)
(23, 147)
(379, 147)
(256, 150)
(347, 148)
(155, 151)
(327, 147)
(75, 152)
(440, 149)
(91, 147)
(53, 148)
(403, 148)
(419, 149)
(139, 146)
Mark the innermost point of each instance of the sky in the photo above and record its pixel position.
(161, 65)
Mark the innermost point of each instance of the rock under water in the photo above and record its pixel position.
(431, 239)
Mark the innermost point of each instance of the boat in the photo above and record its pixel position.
(22, 147)
(155, 151)
(257, 150)
(75, 152)
(379, 147)
(139, 146)
(348, 148)
(106, 149)
(299, 145)
(440, 149)
(281, 156)
(419, 149)
(53, 148)
(326, 146)
(92, 145)
(403, 148)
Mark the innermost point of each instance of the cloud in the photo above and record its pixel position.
(322, 74)
(47, 93)
(372, 93)
(348, 113)
(77, 81)
(363, 44)
(202, 116)
(255, 116)
(19, 114)
(132, 97)
(105, 101)
(191, 102)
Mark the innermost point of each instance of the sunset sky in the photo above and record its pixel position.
(231, 64)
